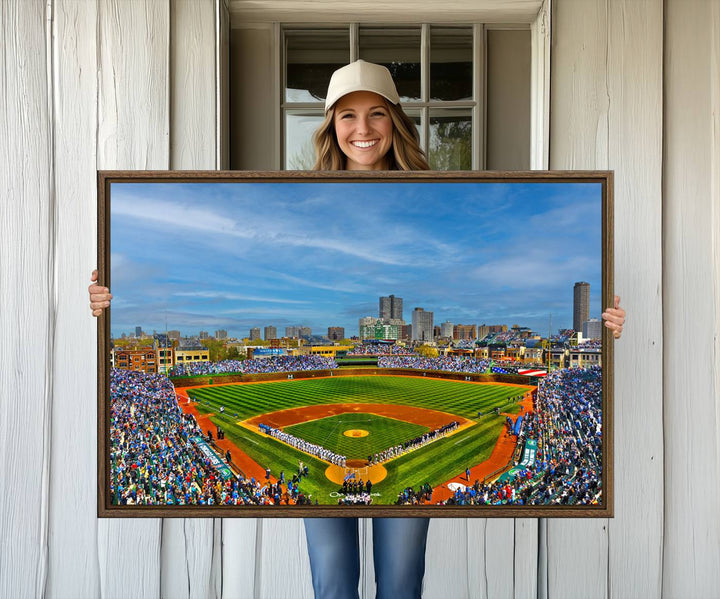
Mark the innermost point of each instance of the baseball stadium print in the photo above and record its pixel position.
(294, 344)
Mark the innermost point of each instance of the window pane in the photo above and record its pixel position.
(450, 145)
(451, 56)
(398, 50)
(414, 114)
(311, 57)
(299, 149)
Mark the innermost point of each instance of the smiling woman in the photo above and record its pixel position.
(363, 117)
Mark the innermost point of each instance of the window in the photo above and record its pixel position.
(467, 87)
(436, 71)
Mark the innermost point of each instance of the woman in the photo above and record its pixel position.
(365, 129)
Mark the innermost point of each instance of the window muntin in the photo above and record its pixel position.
(434, 69)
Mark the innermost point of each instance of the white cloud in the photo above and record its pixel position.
(535, 270)
(221, 295)
(170, 215)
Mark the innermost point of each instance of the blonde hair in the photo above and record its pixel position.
(404, 155)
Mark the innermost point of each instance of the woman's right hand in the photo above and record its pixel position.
(99, 296)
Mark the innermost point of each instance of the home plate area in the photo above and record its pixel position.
(365, 435)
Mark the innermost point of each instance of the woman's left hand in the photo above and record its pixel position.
(615, 318)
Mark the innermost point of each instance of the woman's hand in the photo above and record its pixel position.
(615, 318)
(99, 296)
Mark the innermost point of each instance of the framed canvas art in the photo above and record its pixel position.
(293, 344)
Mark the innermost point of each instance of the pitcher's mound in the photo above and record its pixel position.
(337, 473)
(356, 432)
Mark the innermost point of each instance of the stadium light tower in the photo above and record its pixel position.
(550, 342)
(165, 349)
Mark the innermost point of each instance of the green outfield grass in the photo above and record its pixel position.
(383, 432)
(455, 397)
(433, 464)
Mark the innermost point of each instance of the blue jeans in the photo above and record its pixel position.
(398, 550)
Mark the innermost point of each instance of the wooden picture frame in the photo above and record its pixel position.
(202, 249)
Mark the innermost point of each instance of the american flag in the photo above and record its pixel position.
(531, 372)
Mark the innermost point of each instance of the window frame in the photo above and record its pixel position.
(476, 106)
(268, 15)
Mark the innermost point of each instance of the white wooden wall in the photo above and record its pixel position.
(635, 87)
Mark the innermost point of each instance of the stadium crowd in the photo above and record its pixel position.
(199, 368)
(306, 446)
(154, 457)
(590, 344)
(410, 496)
(255, 366)
(570, 426)
(446, 363)
(464, 344)
(288, 364)
(566, 422)
(456, 364)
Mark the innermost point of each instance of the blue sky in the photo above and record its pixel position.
(199, 256)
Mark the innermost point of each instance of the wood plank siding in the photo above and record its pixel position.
(632, 86)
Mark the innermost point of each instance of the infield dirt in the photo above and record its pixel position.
(424, 417)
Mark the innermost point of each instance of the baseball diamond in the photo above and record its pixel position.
(380, 433)
(416, 431)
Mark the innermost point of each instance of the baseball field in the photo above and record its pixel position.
(357, 417)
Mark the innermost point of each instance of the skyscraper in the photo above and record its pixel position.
(255, 334)
(422, 325)
(391, 307)
(592, 329)
(581, 305)
(270, 332)
(384, 309)
(336, 333)
(295, 332)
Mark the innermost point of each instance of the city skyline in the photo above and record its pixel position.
(236, 256)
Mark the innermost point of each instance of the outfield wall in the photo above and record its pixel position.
(226, 379)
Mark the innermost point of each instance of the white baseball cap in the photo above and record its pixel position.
(361, 76)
